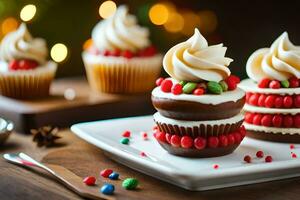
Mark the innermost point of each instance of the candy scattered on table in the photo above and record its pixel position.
(130, 183)
(106, 172)
(247, 159)
(260, 154)
(144, 135)
(268, 159)
(126, 134)
(292, 146)
(107, 189)
(124, 141)
(114, 176)
(294, 155)
(90, 180)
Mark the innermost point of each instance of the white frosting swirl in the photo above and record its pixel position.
(120, 31)
(194, 60)
(280, 62)
(20, 45)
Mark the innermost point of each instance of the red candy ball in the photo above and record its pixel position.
(106, 53)
(116, 52)
(243, 131)
(247, 159)
(126, 134)
(257, 119)
(297, 101)
(277, 120)
(268, 159)
(127, 54)
(264, 83)
(13, 65)
(269, 103)
(168, 138)
(294, 82)
(237, 137)
(297, 121)
(266, 120)
(200, 143)
(261, 100)
(223, 141)
(199, 91)
(288, 121)
(213, 142)
(177, 89)
(159, 81)
(278, 102)
(232, 82)
(248, 95)
(249, 117)
(90, 180)
(274, 84)
(260, 154)
(287, 102)
(231, 139)
(253, 99)
(175, 140)
(161, 136)
(27, 64)
(186, 142)
(106, 172)
(166, 85)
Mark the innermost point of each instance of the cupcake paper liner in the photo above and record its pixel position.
(27, 84)
(134, 75)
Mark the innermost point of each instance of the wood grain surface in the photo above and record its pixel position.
(84, 159)
(86, 106)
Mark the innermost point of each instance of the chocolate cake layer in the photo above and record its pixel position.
(275, 137)
(201, 130)
(203, 153)
(188, 110)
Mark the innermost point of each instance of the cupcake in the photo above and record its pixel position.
(199, 104)
(121, 58)
(25, 72)
(272, 110)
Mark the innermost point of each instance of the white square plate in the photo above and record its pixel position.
(189, 173)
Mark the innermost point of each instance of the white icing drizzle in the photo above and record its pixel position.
(284, 111)
(159, 118)
(288, 131)
(213, 99)
(249, 85)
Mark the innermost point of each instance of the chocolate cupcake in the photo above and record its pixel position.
(272, 110)
(199, 105)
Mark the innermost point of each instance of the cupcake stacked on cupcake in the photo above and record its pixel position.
(121, 59)
(199, 105)
(272, 110)
(25, 72)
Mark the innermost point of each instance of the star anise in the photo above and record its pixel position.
(45, 136)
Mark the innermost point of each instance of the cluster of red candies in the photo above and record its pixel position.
(275, 84)
(273, 120)
(24, 64)
(259, 155)
(201, 142)
(273, 101)
(147, 52)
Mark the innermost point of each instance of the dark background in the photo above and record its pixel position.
(243, 26)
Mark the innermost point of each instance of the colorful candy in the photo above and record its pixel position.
(130, 183)
(189, 87)
(214, 87)
(124, 141)
(90, 180)
(114, 176)
(106, 172)
(107, 189)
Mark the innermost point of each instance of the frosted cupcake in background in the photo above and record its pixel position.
(273, 92)
(25, 72)
(121, 59)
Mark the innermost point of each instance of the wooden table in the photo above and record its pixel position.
(84, 159)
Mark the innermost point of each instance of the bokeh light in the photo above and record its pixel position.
(175, 22)
(208, 21)
(191, 21)
(28, 12)
(159, 14)
(59, 52)
(8, 25)
(107, 8)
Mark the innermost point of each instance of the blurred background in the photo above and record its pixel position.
(243, 26)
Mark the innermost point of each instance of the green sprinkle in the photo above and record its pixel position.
(214, 87)
(130, 183)
(124, 140)
(224, 85)
(189, 87)
(182, 83)
(285, 84)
